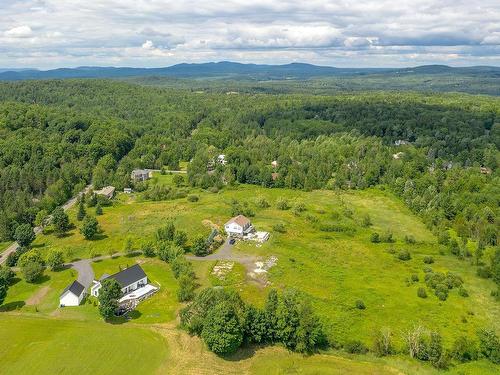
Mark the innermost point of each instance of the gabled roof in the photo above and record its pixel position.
(128, 275)
(240, 220)
(75, 287)
(106, 190)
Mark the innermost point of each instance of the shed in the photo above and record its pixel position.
(72, 294)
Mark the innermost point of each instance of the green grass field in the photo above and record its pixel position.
(335, 268)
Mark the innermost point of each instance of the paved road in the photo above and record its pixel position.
(226, 253)
(85, 271)
(66, 206)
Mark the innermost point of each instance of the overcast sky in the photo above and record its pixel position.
(152, 33)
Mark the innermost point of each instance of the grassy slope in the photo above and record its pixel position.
(49, 346)
(335, 269)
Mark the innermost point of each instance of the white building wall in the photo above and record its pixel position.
(69, 299)
(234, 228)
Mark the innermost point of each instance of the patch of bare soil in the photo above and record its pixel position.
(37, 297)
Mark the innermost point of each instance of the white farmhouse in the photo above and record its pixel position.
(238, 226)
(72, 294)
(130, 279)
(140, 174)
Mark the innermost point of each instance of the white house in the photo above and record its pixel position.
(140, 174)
(130, 279)
(221, 159)
(107, 192)
(238, 226)
(72, 294)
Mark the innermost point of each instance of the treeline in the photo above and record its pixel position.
(57, 136)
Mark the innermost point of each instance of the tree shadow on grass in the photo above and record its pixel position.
(64, 267)
(12, 306)
(133, 254)
(14, 281)
(98, 237)
(42, 279)
(38, 245)
(242, 353)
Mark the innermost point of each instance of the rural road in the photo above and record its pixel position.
(66, 206)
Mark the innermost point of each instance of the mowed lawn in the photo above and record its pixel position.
(334, 268)
(32, 345)
(163, 305)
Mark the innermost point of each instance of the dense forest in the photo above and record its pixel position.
(438, 152)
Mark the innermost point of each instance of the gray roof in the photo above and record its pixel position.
(129, 275)
(75, 287)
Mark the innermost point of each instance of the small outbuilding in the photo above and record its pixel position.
(108, 192)
(72, 295)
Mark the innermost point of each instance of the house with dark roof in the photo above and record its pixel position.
(72, 294)
(130, 279)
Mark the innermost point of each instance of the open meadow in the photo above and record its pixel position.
(323, 250)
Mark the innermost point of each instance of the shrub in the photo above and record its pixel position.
(167, 232)
(410, 240)
(299, 207)
(222, 332)
(360, 305)
(60, 221)
(282, 204)
(32, 271)
(186, 288)
(55, 259)
(464, 349)
(437, 357)
(463, 292)
(279, 227)
(366, 221)
(193, 198)
(489, 345)
(148, 250)
(414, 277)
(441, 291)
(483, 272)
(200, 246)
(387, 237)
(382, 343)
(98, 210)
(89, 228)
(444, 237)
(180, 238)
(404, 255)
(428, 259)
(355, 347)
(421, 292)
(108, 298)
(311, 218)
(262, 202)
(181, 266)
(24, 235)
(375, 237)
(167, 252)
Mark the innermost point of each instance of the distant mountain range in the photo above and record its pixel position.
(226, 69)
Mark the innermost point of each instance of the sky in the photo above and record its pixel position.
(48, 34)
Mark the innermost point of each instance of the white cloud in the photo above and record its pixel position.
(148, 45)
(49, 33)
(19, 32)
